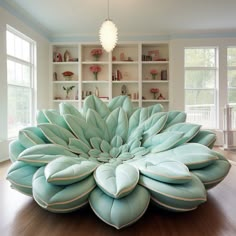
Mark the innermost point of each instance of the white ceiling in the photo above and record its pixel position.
(80, 18)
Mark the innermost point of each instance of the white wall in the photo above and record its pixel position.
(42, 72)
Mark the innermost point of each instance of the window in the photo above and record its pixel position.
(20, 80)
(231, 74)
(201, 75)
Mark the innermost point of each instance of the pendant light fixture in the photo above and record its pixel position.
(108, 33)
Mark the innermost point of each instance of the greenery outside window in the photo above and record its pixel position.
(201, 74)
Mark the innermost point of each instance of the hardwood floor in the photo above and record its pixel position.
(21, 216)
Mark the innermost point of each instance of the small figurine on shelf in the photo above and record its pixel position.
(95, 70)
(96, 53)
(57, 57)
(154, 73)
(161, 97)
(154, 91)
(96, 92)
(68, 90)
(67, 56)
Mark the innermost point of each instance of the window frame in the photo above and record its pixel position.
(215, 90)
(32, 75)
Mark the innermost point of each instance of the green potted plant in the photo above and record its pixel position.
(68, 89)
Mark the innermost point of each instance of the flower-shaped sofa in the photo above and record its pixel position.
(116, 158)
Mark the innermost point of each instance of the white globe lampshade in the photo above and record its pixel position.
(108, 35)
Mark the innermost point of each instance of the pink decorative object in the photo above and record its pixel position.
(96, 53)
(95, 70)
(154, 73)
(154, 91)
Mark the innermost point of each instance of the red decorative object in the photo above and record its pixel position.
(96, 53)
(95, 70)
(67, 73)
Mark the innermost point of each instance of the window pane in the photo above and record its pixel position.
(18, 109)
(200, 107)
(199, 97)
(231, 56)
(232, 96)
(18, 47)
(200, 78)
(18, 74)
(232, 78)
(200, 57)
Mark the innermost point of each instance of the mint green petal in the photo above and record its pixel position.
(64, 198)
(175, 117)
(78, 146)
(213, 174)
(95, 121)
(54, 117)
(93, 102)
(189, 130)
(168, 171)
(15, 149)
(67, 170)
(117, 124)
(116, 141)
(56, 134)
(42, 154)
(67, 108)
(121, 212)
(20, 176)
(41, 118)
(123, 102)
(28, 138)
(116, 181)
(204, 137)
(154, 124)
(175, 197)
(163, 141)
(76, 125)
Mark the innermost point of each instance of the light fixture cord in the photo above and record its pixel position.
(108, 6)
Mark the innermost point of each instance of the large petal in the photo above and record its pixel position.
(95, 121)
(54, 117)
(42, 154)
(168, 171)
(204, 137)
(56, 134)
(162, 141)
(116, 181)
(123, 102)
(67, 108)
(29, 139)
(175, 197)
(68, 170)
(189, 130)
(121, 212)
(93, 102)
(213, 174)
(20, 176)
(175, 117)
(117, 124)
(61, 199)
(15, 149)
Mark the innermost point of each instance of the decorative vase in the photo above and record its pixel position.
(95, 76)
(154, 77)
(154, 95)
